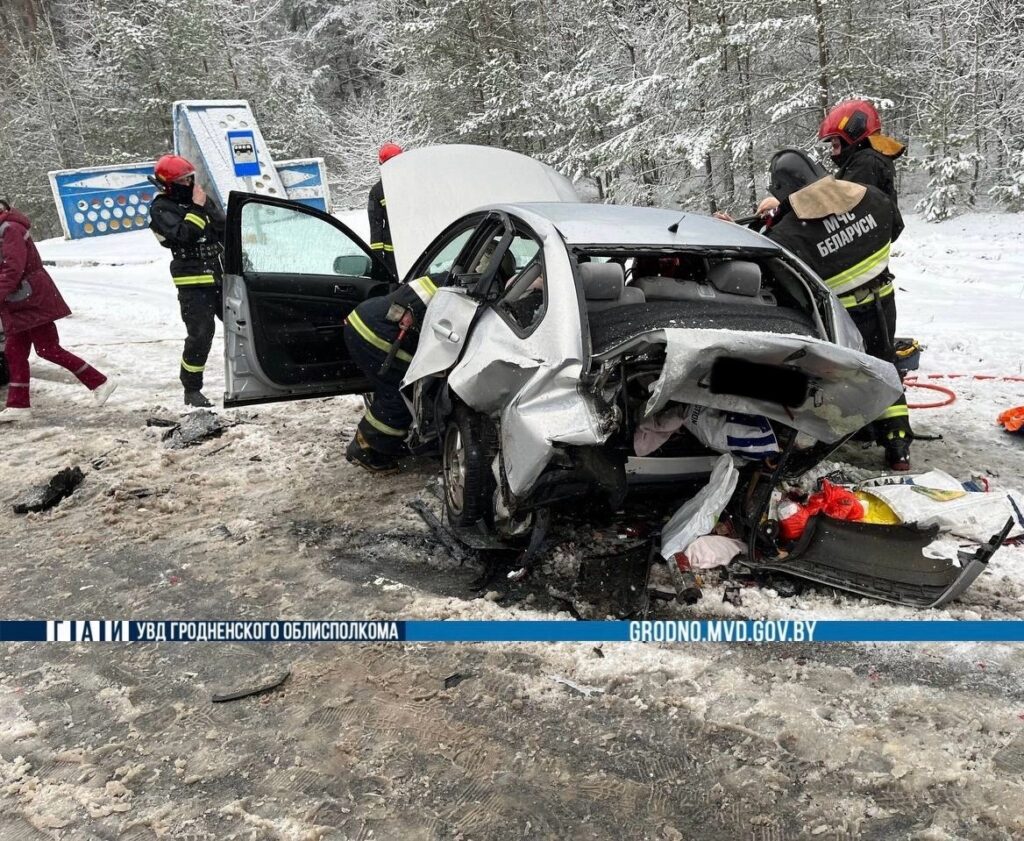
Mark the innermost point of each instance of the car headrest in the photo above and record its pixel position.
(508, 265)
(521, 285)
(737, 277)
(506, 269)
(602, 281)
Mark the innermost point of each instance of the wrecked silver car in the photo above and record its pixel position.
(563, 338)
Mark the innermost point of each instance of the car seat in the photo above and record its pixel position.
(604, 287)
(738, 281)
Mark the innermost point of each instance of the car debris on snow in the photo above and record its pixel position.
(585, 691)
(195, 428)
(455, 679)
(256, 690)
(45, 497)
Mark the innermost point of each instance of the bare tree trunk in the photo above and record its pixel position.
(824, 94)
(976, 128)
(709, 179)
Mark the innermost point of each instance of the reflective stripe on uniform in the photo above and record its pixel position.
(383, 202)
(194, 280)
(389, 248)
(372, 338)
(854, 300)
(864, 271)
(196, 220)
(376, 246)
(899, 410)
(424, 288)
(192, 369)
(380, 426)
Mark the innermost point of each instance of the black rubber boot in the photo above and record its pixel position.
(197, 400)
(897, 451)
(360, 453)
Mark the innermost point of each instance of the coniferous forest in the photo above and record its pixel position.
(676, 103)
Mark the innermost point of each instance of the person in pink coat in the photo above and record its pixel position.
(30, 306)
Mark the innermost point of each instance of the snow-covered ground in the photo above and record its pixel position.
(269, 521)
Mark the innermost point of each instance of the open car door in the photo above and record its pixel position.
(292, 275)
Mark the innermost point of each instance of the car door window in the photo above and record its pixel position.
(282, 240)
(443, 259)
(524, 297)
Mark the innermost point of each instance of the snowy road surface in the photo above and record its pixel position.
(691, 742)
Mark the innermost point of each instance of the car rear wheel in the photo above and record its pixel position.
(465, 465)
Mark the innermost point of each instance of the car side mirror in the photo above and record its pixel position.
(352, 265)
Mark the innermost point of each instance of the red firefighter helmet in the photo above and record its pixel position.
(388, 151)
(171, 168)
(852, 121)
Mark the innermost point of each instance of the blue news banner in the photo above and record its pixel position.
(510, 631)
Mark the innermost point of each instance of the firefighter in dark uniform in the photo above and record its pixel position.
(377, 210)
(381, 335)
(860, 151)
(844, 232)
(185, 220)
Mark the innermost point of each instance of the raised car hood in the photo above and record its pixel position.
(427, 189)
(849, 389)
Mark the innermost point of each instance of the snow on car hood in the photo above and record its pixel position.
(427, 189)
(849, 389)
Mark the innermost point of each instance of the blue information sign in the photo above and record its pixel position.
(243, 153)
(100, 200)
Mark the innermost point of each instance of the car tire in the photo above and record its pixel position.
(466, 453)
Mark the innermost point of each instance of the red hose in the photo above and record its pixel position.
(969, 376)
(950, 394)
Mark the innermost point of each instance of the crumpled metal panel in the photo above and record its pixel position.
(532, 383)
(548, 410)
(849, 388)
(445, 327)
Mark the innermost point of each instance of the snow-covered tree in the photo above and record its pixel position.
(670, 102)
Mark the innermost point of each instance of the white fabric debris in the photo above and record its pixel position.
(936, 498)
(713, 550)
(697, 516)
(750, 436)
(656, 430)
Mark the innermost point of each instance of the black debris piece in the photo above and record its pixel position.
(133, 493)
(161, 422)
(443, 535)
(45, 497)
(733, 594)
(689, 591)
(256, 690)
(455, 679)
(195, 428)
(661, 594)
(787, 588)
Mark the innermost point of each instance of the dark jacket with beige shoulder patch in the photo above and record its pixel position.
(841, 230)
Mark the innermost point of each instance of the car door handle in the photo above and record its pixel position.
(443, 331)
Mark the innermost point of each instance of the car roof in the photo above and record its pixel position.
(612, 224)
